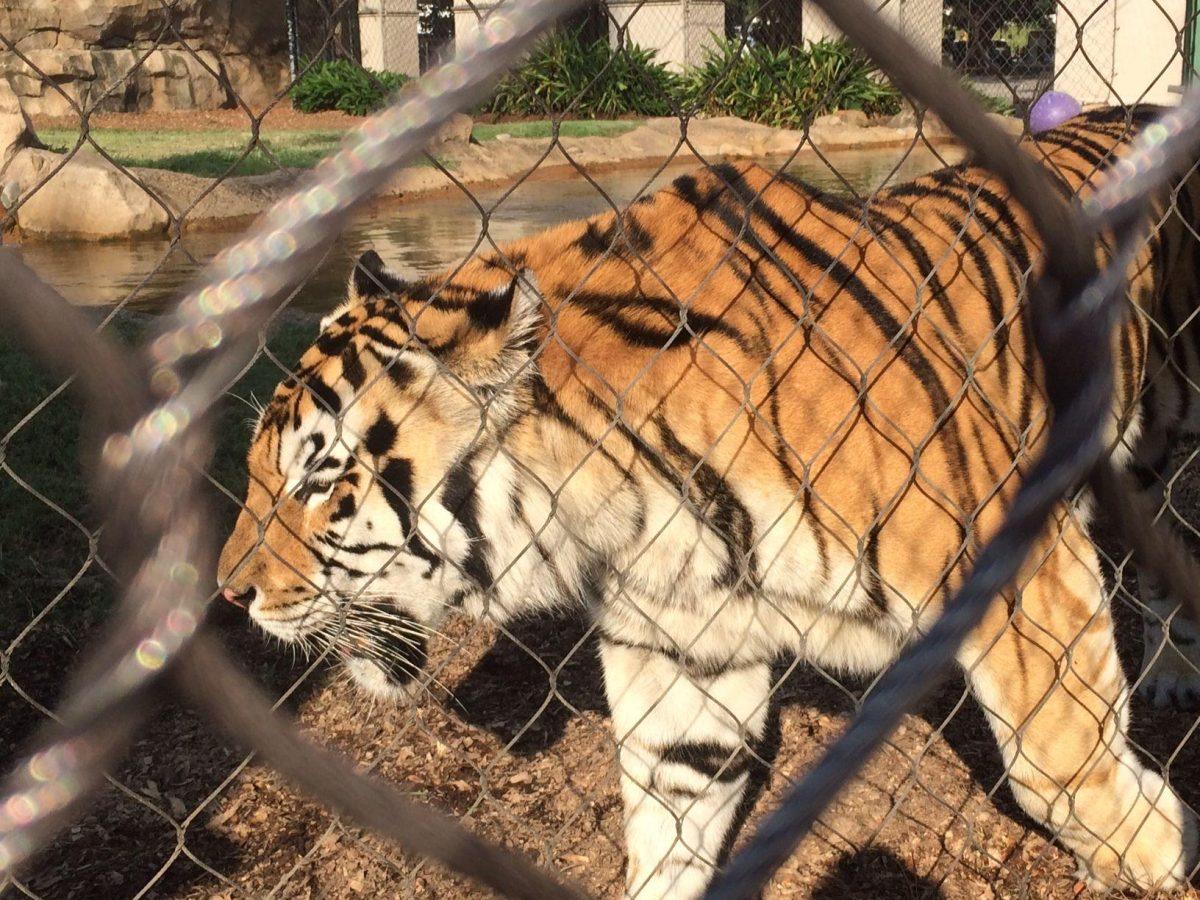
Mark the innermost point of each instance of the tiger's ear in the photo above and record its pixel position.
(524, 314)
(507, 326)
(372, 279)
(369, 279)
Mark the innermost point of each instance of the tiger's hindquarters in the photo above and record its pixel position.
(1051, 685)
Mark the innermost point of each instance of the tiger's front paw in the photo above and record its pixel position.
(1171, 667)
(1153, 847)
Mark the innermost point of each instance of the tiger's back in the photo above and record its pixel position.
(775, 356)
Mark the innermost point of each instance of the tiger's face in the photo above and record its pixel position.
(348, 540)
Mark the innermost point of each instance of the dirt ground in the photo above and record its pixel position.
(518, 745)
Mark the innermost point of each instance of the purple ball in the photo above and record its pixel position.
(1051, 110)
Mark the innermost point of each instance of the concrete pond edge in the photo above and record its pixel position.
(85, 197)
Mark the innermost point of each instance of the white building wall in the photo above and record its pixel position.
(1120, 51)
(680, 30)
(1149, 61)
(468, 16)
(920, 21)
(387, 31)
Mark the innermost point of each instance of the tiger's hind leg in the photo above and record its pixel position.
(1047, 675)
(1170, 673)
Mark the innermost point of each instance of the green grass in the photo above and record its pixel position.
(211, 154)
(568, 129)
(207, 153)
(41, 550)
(215, 154)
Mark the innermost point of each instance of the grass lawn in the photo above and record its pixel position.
(214, 154)
(41, 551)
(208, 153)
(543, 128)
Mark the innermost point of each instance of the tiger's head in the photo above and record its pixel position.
(355, 534)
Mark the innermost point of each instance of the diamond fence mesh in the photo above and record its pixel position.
(510, 729)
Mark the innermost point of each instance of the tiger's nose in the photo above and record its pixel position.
(243, 597)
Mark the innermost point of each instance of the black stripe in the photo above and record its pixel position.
(1090, 151)
(401, 373)
(379, 337)
(687, 187)
(873, 580)
(323, 394)
(331, 344)
(546, 402)
(597, 240)
(345, 509)
(846, 279)
(977, 202)
(352, 368)
(329, 563)
(695, 668)
(491, 309)
(460, 497)
(715, 761)
(992, 295)
(680, 322)
(397, 477)
(380, 436)
(357, 549)
(729, 519)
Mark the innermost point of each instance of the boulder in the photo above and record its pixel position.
(455, 130)
(931, 125)
(853, 117)
(719, 135)
(16, 130)
(198, 53)
(177, 79)
(843, 118)
(218, 25)
(136, 81)
(88, 198)
(256, 80)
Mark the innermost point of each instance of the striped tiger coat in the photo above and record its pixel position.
(744, 419)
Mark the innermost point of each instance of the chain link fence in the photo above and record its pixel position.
(145, 136)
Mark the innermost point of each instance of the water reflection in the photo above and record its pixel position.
(425, 235)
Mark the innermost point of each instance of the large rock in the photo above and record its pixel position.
(88, 199)
(219, 25)
(455, 130)
(850, 118)
(139, 55)
(16, 131)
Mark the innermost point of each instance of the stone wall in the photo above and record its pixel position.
(134, 55)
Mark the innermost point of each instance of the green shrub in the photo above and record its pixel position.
(343, 85)
(587, 79)
(786, 87)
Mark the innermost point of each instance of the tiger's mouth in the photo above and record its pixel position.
(382, 648)
(386, 662)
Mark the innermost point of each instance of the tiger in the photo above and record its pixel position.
(742, 420)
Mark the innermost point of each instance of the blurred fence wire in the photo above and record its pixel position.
(151, 425)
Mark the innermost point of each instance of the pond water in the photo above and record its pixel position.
(425, 235)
